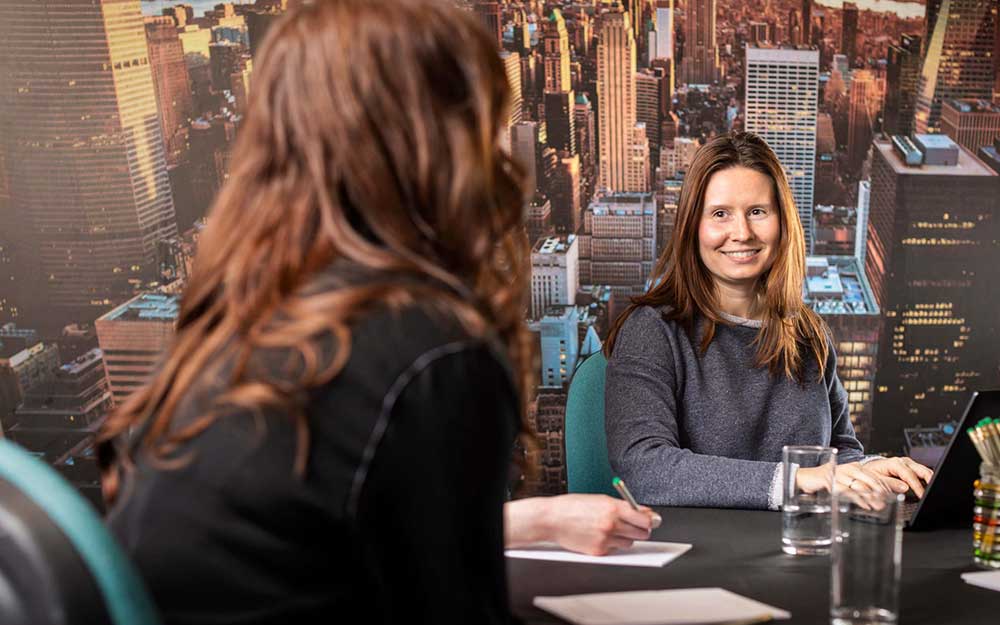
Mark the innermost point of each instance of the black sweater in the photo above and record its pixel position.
(399, 518)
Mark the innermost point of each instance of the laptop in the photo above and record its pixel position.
(947, 501)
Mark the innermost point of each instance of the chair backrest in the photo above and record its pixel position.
(587, 466)
(48, 528)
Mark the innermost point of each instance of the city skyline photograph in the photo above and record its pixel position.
(118, 120)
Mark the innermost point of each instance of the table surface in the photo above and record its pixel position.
(739, 550)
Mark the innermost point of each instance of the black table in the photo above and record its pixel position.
(739, 550)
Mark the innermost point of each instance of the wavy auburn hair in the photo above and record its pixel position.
(371, 140)
(791, 329)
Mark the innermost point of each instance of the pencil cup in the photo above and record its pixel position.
(865, 558)
(805, 512)
(986, 517)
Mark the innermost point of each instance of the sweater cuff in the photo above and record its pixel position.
(774, 495)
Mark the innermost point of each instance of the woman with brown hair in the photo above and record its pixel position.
(722, 363)
(329, 434)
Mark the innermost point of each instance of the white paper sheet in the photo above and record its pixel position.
(689, 606)
(641, 553)
(984, 579)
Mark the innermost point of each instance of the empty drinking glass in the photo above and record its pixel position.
(866, 556)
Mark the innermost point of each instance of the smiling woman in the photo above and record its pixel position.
(721, 364)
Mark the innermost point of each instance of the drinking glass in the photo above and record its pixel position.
(805, 516)
(866, 555)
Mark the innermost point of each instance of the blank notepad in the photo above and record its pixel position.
(689, 606)
(641, 553)
(983, 579)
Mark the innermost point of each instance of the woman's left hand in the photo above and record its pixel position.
(901, 474)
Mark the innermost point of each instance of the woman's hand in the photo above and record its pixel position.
(590, 524)
(901, 474)
(849, 476)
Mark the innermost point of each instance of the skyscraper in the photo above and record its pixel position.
(555, 42)
(492, 19)
(807, 37)
(837, 289)
(560, 122)
(564, 191)
(652, 103)
(901, 74)
(861, 120)
(701, 53)
(133, 337)
(971, 123)
(618, 243)
(171, 82)
(616, 101)
(782, 88)
(931, 240)
(555, 273)
(959, 60)
(88, 178)
(663, 43)
(849, 32)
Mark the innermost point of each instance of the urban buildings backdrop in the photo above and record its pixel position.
(117, 119)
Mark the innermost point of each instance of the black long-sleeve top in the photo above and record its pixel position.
(398, 518)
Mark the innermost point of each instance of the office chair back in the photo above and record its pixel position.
(587, 466)
(59, 565)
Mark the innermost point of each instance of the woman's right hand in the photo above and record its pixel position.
(849, 476)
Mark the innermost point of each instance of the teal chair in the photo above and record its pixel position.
(59, 564)
(587, 466)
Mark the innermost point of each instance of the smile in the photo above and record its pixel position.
(742, 254)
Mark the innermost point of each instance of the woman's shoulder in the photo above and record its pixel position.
(646, 329)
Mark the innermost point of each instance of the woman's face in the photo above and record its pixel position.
(739, 229)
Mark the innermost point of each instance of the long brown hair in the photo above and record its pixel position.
(684, 284)
(371, 139)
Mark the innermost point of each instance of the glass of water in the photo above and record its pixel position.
(865, 560)
(805, 512)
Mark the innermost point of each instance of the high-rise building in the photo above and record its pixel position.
(555, 273)
(638, 178)
(618, 243)
(807, 36)
(526, 139)
(560, 120)
(68, 406)
(837, 289)
(555, 43)
(564, 191)
(782, 87)
(931, 239)
(560, 344)
(490, 15)
(861, 119)
(616, 99)
(700, 64)
(583, 115)
(133, 337)
(225, 59)
(539, 218)
(676, 158)
(901, 75)
(84, 149)
(512, 68)
(959, 60)
(835, 230)
(849, 32)
(662, 46)
(171, 82)
(195, 41)
(258, 24)
(971, 123)
(652, 103)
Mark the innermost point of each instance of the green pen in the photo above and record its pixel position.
(619, 485)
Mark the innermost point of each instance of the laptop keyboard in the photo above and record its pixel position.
(909, 508)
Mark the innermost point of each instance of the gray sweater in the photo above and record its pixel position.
(692, 429)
